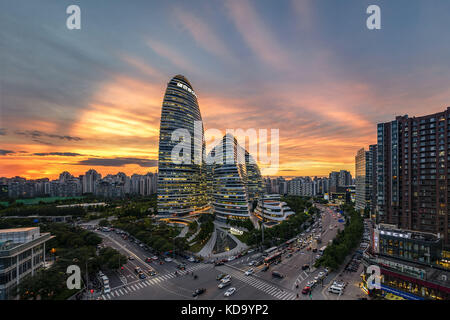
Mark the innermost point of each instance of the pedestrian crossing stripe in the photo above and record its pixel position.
(267, 288)
(103, 296)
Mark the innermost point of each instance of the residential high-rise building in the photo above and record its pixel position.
(412, 173)
(372, 179)
(181, 186)
(89, 180)
(363, 171)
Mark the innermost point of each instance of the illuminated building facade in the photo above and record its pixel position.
(229, 181)
(181, 187)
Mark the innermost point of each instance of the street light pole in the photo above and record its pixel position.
(262, 225)
(87, 280)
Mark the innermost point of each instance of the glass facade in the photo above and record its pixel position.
(229, 189)
(181, 187)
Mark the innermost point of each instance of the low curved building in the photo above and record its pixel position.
(272, 210)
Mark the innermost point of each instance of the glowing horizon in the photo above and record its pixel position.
(76, 100)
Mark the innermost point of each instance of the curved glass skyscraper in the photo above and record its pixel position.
(229, 182)
(181, 187)
(255, 184)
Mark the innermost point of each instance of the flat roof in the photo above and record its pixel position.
(17, 229)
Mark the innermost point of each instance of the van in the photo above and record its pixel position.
(336, 289)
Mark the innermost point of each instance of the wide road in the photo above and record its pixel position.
(291, 268)
(166, 285)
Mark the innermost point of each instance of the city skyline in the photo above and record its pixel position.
(91, 98)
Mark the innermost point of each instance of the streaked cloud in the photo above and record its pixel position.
(62, 154)
(259, 37)
(118, 162)
(203, 34)
(5, 152)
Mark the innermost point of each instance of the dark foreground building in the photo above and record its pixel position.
(413, 177)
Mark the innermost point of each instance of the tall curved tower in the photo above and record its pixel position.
(229, 190)
(181, 187)
(255, 184)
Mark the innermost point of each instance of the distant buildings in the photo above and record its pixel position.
(111, 186)
(22, 253)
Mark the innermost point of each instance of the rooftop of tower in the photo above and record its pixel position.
(182, 78)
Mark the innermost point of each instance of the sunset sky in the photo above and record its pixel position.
(91, 98)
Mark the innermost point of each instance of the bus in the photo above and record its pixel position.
(274, 258)
(322, 249)
(269, 251)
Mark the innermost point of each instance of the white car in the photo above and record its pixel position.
(224, 283)
(226, 278)
(249, 272)
(168, 260)
(251, 263)
(229, 292)
(191, 259)
(231, 258)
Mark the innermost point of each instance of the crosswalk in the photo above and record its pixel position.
(129, 288)
(263, 286)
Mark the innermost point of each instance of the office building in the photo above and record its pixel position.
(22, 253)
(181, 186)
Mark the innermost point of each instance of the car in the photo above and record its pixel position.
(224, 283)
(191, 259)
(137, 270)
(148, 260)
(306, 290)
(198, 292)
(227, 277)
(155, 258)
(142, 275)
(152, 273)
(168, 260)
(220, 276)
(231, 258)
(305, 266)
(265, 268)
(289, 255)
(219, 263)
(251, 263)
(277, 274)
(130, 258)
(249, 272)
(229, 292)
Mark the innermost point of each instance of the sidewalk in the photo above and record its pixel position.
(209, 246)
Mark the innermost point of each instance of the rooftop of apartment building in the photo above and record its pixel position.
(392, 230)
